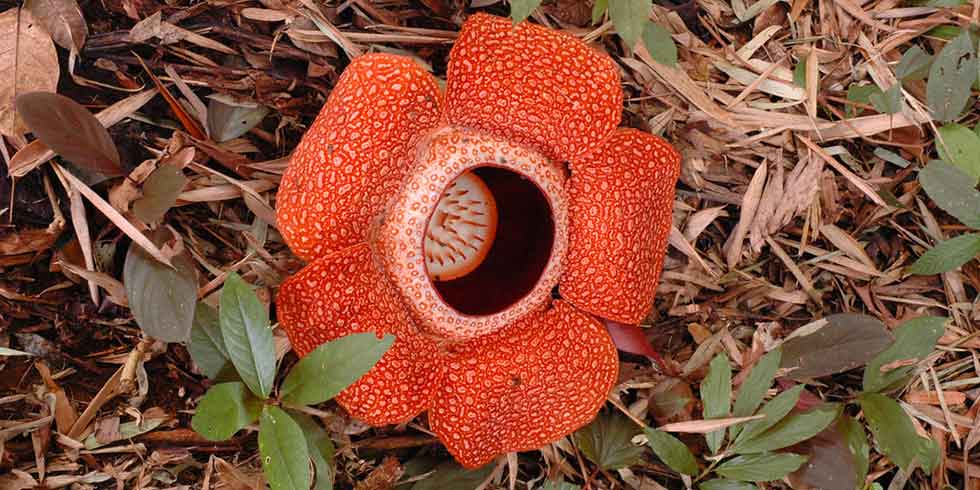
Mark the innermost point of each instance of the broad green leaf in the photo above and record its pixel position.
(672, 451)
(914, 340)
(321, 450)
(754, 387)
(6, 351)
(229, 118)
(521, 9)
(951, 77)
(716, 394)
(161, 298)
(659, 44)
(607, 441)
(630, 17)
(160, 191)
(799, 73)
(332, 367)
(948, 255)
(224, 410)
(774, 410)
(914, 64)
(791, 430)
(847, 341)
(760, 467)
(452, 476)
(953, 190)
(857, 443)
(961, 147)
(70, 130)
(896, 435)
(891, 157)
(726, 484)
(889, 101)
(946, 32)
(859, 94)
(284, 451)
(248, 338)
(598, 9)
(207, 347)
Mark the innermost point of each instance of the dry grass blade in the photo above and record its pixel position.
(117, 219)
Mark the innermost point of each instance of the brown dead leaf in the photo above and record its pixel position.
(63, 20)
(28, 61)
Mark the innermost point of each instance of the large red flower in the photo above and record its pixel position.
(449, 219)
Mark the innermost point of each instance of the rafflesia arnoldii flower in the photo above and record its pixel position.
(489, 228)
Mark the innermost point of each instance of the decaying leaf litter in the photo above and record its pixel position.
(803, 126)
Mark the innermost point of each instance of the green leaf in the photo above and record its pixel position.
(753, 389)
(521, 9)
(659, 44)
(598, 9)
(947, 255)
(607, 441)
(160, 191)
(961, 147)
(914, 340)
(283, 449)
(799, 73)
(725, 484)
(332, 367)
(914, 64)
(452, 476)
(760, 467)
(953, 190)
(672, 451)
(229, 118)
(774, 410)
(161, 298)
(845, 342)
(859, 94)
(857, 443)
(896, 435)
(791, 430)
(951, 77)
(224, 410)
(247, 336)
(891, 157)
(630, 17)
(716, 394)
(889, 101)
(207, 347)
(321, 450)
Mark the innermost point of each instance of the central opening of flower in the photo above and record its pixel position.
(489, 240)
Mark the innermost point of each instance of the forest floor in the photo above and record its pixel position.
(799, 200)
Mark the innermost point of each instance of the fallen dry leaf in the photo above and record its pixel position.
(63, 20)
(28, 61)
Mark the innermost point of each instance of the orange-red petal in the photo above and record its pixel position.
(525, 386)
(353, 158)
(532, 85)
(345, 293)
(620, 202)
